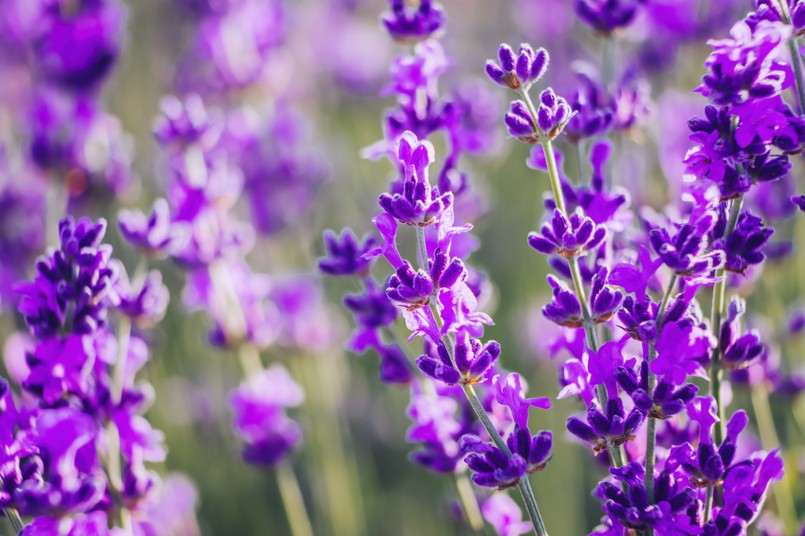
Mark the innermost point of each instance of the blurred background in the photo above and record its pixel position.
(320, 68)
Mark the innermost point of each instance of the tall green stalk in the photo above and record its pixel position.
(472, 397)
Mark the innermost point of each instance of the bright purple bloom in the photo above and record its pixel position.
(739, 350)
(258, 406)
(553, 113)
(518, 71)
(681, 348)
(372, 309)
(604, 300)
(146, 303)
(614, 427)
(521, 124)
(564, 309)
(667, 514)
(346, 255)
(413, 21)
(73, 283)
(417, 203)
(664, 402)
(569, 237)
(743, 247)
(745, 65)
(409, 288)
(472, 360)
(686, 252)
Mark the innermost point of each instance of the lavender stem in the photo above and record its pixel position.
(472, 397)
(15, 519)
(292, 500)
(469, 502)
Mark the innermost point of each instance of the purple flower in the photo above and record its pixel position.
(606, 16)
(258, 406)
(410, 22)
(521, 124)
(504, 515)
(667, 514)
(564, 309)
(686, 252)
(518, 71)
(346, 255)
(183, 123)
(604, 300)
(569, 237)
(472, 360)
(680, 349)
(739, 350)
(664, 402)
(416, 203)
(743, 247)
(155, 234)
(408, 288)
(438, 423)
(372, 309)
(74, 284)
(745, 65)
(80, 45)
(510, 392)
(553, 113)
(603, 429)
(145, 304)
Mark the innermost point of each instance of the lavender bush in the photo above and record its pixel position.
(604, 340)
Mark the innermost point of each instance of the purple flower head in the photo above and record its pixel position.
(472, 360)
(394, 365)
(666, 400)
(372, 309)
(564, 309)
(709, 464)
(417, 203)
(80, 44)
(636, 280)
(437, 426)
(146, 303)
(408, 288)
(518, 71)
(74, 284)
(155, 234)
(185, 122)
(569, 237)
(258, 406)
(553, 113)
(667, 514)
(493, 468)
(614, 427)
(607, 16)
(743, 247)
(521, 124)
(504, 515)
(681, 347)
(346, 255)
(510, 392)
(745, 65)
(408, 21)
(592, 105)
(686, 252)
(72, 477)
(739, 350)
(604, 300)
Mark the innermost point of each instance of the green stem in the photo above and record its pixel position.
(293, 501)
(475, 403)
(616, 454)
(769, 439)
(796, 60)
(469, 502)
(15, 520)
(651, 427)
(719, 291)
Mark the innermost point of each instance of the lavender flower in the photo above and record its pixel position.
(472, 361)
(607, 16)
(569, 237)
(614, 427)
(260, 420)
(346, 254)
(413, 21)
(518, 71)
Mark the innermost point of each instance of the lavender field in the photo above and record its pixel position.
(402, 268)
